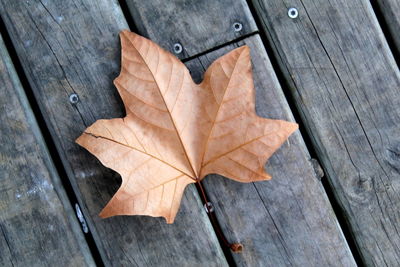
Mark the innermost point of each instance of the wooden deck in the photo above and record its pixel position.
(333, 69)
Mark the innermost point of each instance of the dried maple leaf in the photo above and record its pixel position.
(176, 132)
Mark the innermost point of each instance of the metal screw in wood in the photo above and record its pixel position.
(293, 13)
(178, 48)
(237, 27)
(73, 98)
(209, 207)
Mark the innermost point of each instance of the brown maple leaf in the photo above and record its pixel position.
(176, 132)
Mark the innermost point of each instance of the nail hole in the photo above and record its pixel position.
(237, 26)
(293, 13)
(178, 48)
(73, 98)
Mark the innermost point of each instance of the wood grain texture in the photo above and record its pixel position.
(197, 25)
(390, 10)
(287, 220)
(346, 85)
(73, 47)
(38, 227)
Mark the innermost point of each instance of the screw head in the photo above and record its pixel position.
(237, 26)
(73, 98)
(209, 207)
(293, 13)
(178, 48)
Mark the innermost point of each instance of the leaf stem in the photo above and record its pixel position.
(235, 247)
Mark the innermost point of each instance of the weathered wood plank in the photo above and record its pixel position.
(345, 83)
(285, 221)
(72, 47)
(38, 227)
(196, 25)
(390, 11)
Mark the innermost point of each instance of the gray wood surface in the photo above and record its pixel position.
(72, 47)
(38, 227)
(197, 25)
(287, 221)
(390, 10)
(346, 85)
